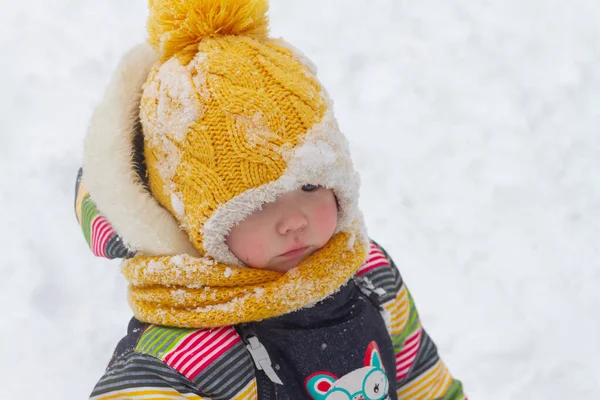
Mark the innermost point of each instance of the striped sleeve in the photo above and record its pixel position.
(140, 376)
(420, 373)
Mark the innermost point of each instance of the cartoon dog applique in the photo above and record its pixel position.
(367, 383)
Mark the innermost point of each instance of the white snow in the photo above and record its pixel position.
(474, 125)
(155, 268)
(257, 134)
(178, 205)
(178, 261)
(177, 106)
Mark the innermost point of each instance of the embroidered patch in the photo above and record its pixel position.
(367, 383)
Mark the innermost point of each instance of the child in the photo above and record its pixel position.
(214, 166)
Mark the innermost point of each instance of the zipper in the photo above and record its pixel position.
(373, 294)
(367, 290)
(265, 383)
(266, 388)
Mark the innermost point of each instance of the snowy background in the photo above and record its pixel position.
(475, 125)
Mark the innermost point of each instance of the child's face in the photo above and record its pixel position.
(305, 218)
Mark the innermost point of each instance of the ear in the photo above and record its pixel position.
(319, 384)
(373, 356)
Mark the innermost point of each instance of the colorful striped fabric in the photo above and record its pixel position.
(420, 374)
(198, 361)
(139, 376)
(405, 358)
(97, 230)
(216, 360)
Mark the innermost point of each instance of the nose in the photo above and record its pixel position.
(292, 221)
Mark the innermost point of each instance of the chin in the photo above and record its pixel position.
(286, 267)
(289, 264)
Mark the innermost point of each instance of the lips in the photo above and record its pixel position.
(295, 252)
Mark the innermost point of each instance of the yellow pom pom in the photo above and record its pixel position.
(177, 26)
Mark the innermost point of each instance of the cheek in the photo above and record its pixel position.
(325, 217)
(248, 243)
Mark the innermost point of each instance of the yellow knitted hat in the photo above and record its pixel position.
(232, 118)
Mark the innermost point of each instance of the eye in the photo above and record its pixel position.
(309, 188)
(375, 385)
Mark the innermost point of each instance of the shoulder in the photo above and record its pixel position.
(380, 270)
(137, 375)
(400, 313)
(213, 362)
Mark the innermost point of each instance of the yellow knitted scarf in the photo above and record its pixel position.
(195, 292)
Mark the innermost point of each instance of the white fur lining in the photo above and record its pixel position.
(323, 158)
(108, 168)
